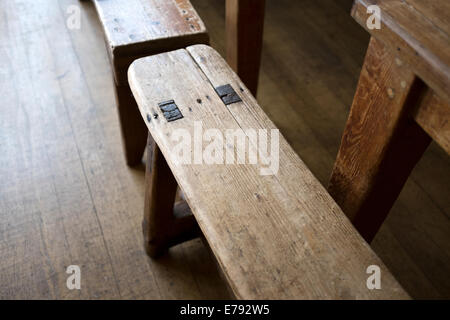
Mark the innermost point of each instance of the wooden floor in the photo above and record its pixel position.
(67, 198)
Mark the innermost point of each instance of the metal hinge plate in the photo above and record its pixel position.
(170, 110)
(227, 94)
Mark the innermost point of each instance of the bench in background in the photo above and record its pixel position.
(138, 28)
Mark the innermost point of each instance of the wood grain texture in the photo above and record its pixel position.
(118, 192)
(165, 223)
(433, 115)
(419, 31)
(310, 108)
(138, 28)
(244, 35)
(416, 32)
(65, 195)
(133, 131)
(281, 236)
(381, 143)
(438, 11)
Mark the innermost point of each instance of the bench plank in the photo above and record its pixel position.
(275, 237)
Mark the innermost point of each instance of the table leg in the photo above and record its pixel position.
(244, 28)
(381, 142)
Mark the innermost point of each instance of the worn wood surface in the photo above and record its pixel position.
(433, 115)
(419, 31)
(310, 108)
(137, 28)
(244, 36)
(416, 35)
(381, 142)
(279, 236)
(419, 34)
(438, 11)
(66, 197)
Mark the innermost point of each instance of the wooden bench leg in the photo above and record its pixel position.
(244, 35)
(134, 131)
(381, 142)
(165, 224)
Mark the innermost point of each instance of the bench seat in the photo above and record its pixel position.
(139, 28)
(277, 236)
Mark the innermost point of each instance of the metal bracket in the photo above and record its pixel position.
(170, 110)
(227, 94)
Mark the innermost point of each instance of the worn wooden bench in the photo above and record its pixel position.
(138, 28)
(402, 102)
(275, 236)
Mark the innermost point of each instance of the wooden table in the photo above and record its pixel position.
(402, 102)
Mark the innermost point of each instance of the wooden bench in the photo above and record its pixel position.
(402, 102)
(138, 28)
(277, 236)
